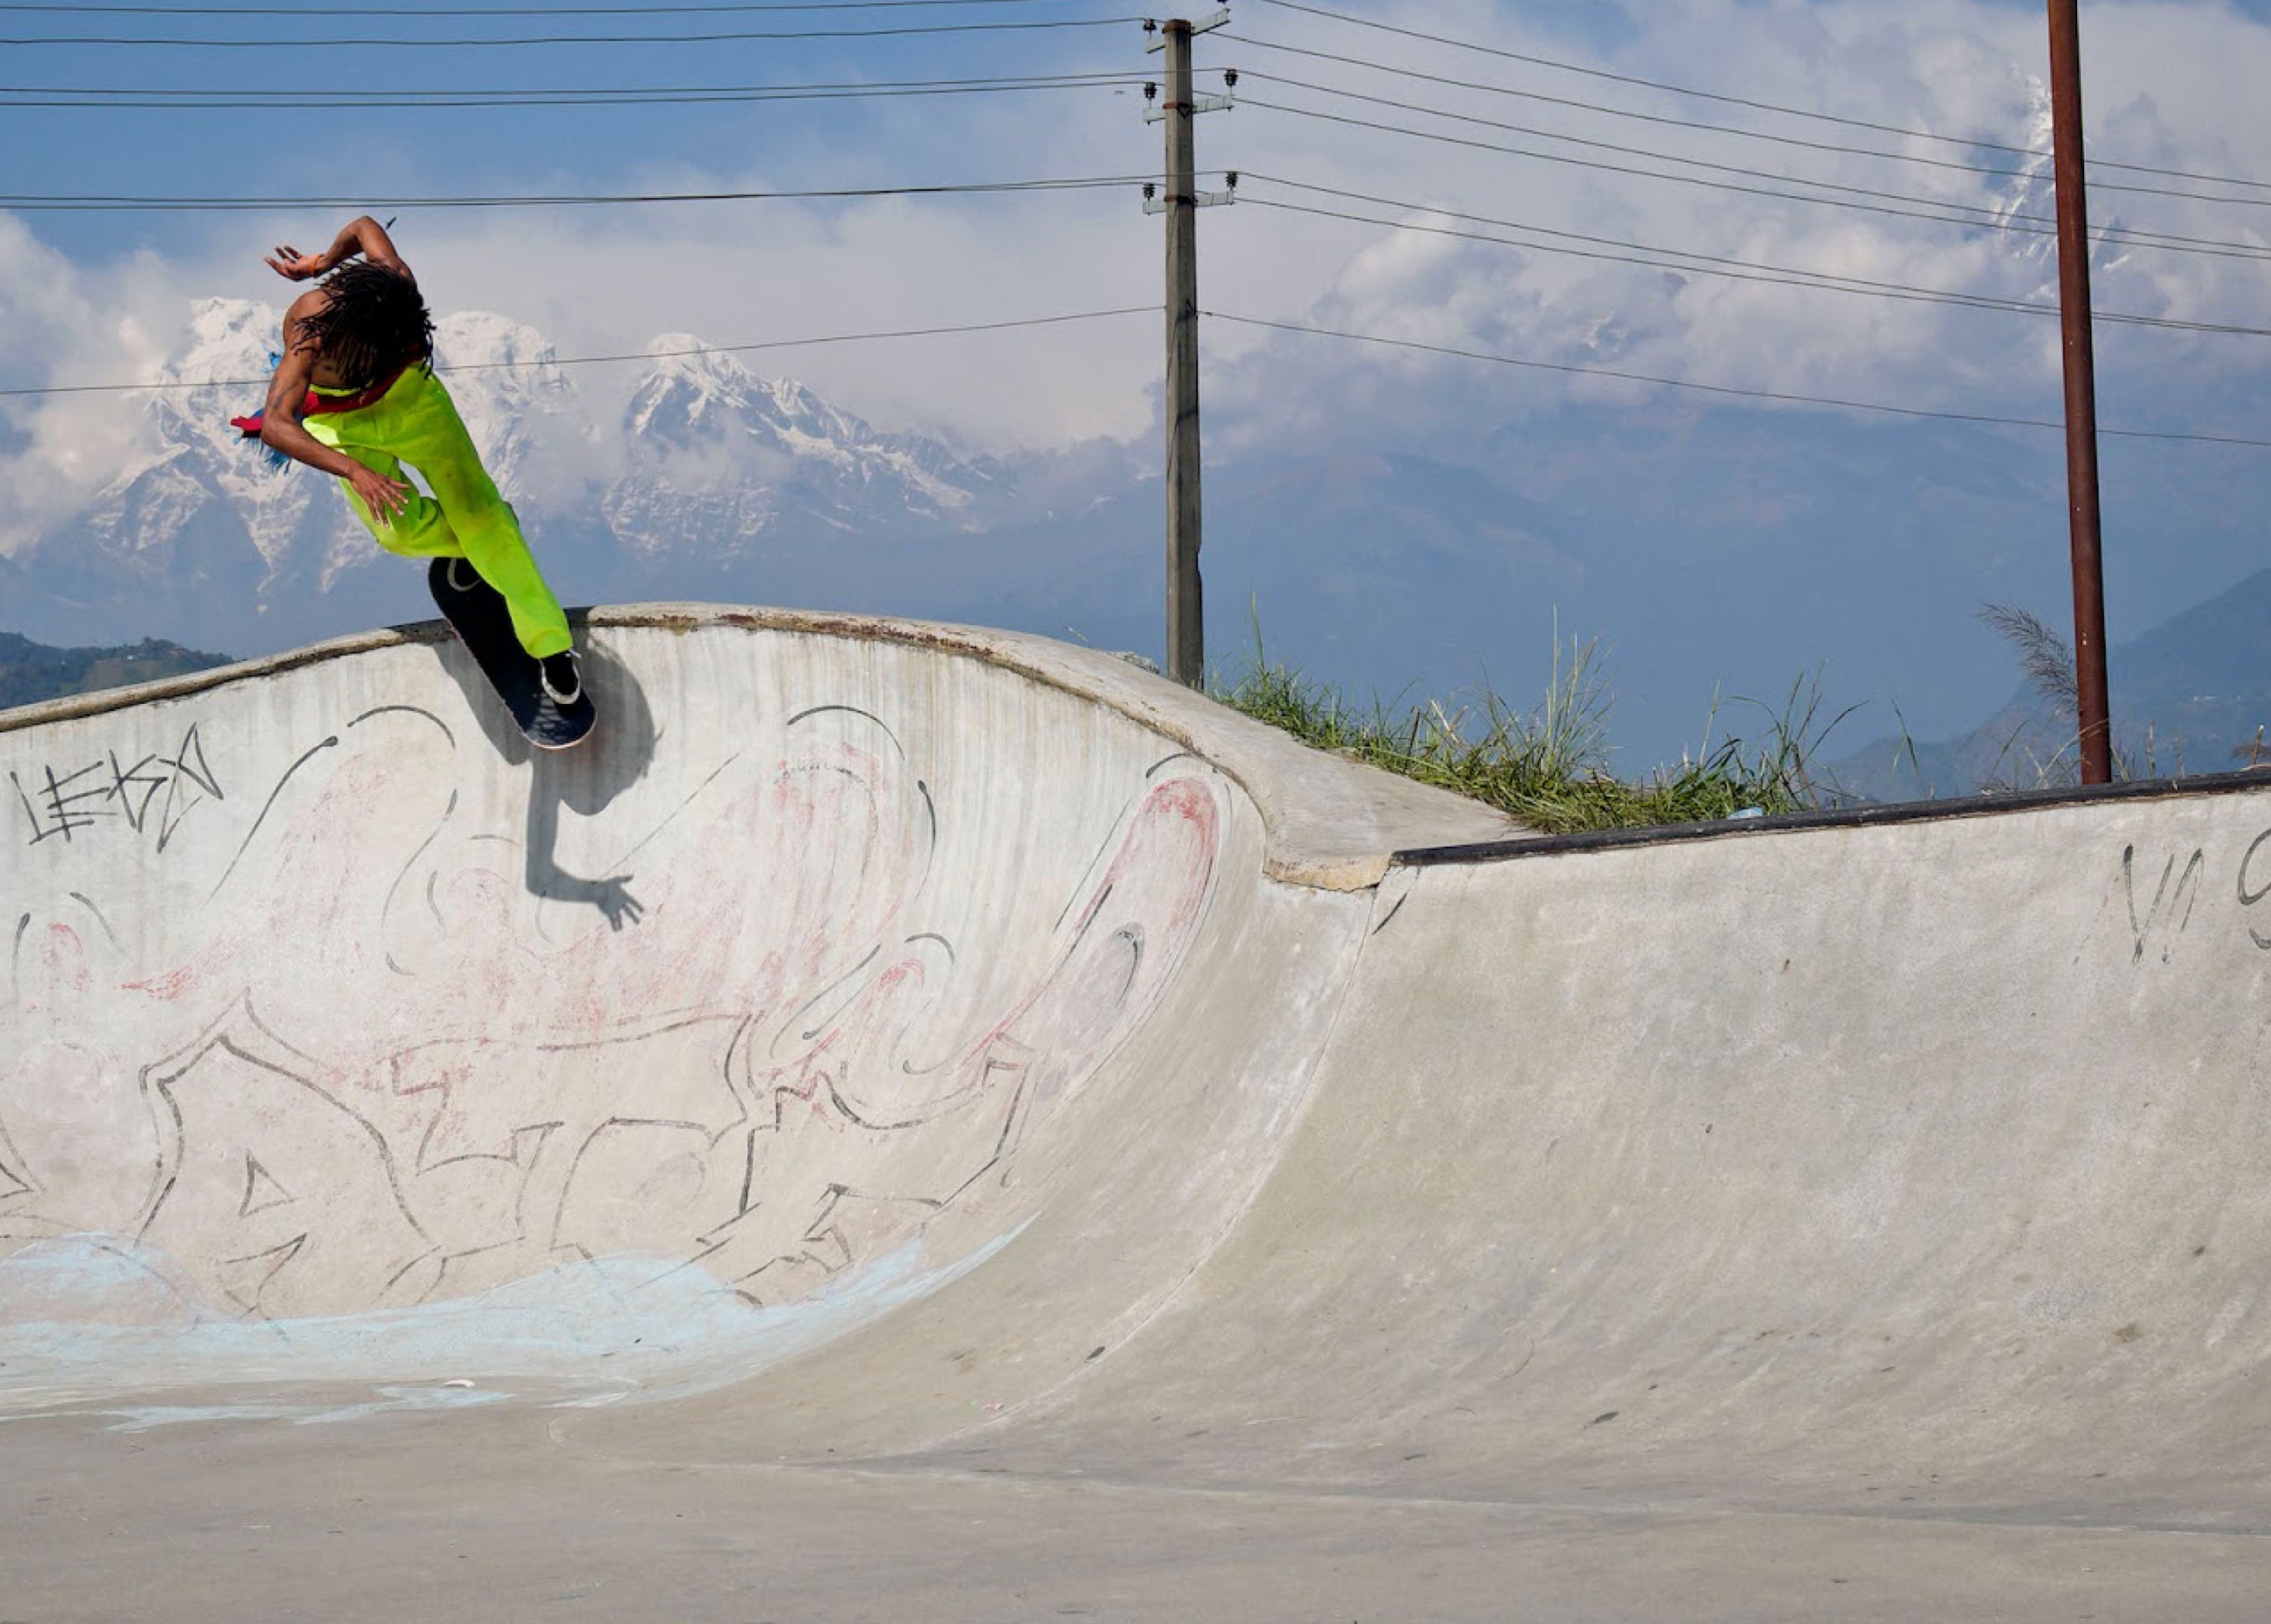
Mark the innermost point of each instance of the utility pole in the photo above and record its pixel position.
(1179, 110)
(2091, 704)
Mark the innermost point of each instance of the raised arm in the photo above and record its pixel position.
(362, 235)
(280, 426)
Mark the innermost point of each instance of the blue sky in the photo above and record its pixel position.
(102, 297)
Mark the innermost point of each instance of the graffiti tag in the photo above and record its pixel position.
(150, 795)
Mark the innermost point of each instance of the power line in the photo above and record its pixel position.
(284, 95)
(534, 10)
(2155, 239)
(119, 97)
(1995, 213)
(32, 203)
(1726, 389)
(1920, 297)
(1748, 134)
(1641, 151)
(640, 355)
(828, 5)
(249, 100)
(1734, 270)
(1152, 309)
(1741, 101)
(370, 43)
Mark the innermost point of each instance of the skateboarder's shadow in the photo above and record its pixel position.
(585, 779)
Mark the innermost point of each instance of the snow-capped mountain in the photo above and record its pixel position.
(713, 450)
(517, 401)
(200, 525)
(677, 477)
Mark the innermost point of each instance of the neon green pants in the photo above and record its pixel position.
(416, 422)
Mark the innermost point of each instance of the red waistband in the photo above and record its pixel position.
(315, 406)
(324, 406)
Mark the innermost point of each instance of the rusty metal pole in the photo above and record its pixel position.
(2090, 705)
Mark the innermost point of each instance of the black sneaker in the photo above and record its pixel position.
(561, 677)
(463, 576)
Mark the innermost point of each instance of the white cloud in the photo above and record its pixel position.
(63, 325)
(1944, 65)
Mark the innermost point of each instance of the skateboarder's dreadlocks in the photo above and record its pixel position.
(373, 318)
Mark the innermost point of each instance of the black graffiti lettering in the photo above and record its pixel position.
(200, 777)
(112, 791)
(2249, 898)
(134, 788)
(61, 809)
(2177, 902)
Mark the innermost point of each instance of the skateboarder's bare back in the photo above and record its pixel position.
(354, 396)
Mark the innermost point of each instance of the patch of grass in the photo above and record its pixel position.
(1548, 765)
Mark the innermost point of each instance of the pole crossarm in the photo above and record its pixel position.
(1197, 200)
(1153, 203)
(1205, 25)
(1203, 104)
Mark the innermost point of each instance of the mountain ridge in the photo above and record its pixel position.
(30, 672)
(2189, 696)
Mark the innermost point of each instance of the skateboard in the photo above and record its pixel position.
(484, 625)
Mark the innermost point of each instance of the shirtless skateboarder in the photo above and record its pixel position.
(355, 396)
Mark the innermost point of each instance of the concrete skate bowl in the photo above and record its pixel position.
(1001, 1066)
(351, 1042)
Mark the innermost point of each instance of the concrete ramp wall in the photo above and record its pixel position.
(335, 1017)
(1914, 1170)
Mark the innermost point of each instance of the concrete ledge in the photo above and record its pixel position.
(2199, 786)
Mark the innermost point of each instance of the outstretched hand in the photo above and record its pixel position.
(288, 262)
(384, 497)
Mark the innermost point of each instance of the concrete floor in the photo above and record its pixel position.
(484, 1516)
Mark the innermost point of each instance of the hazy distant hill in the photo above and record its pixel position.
(2188, 697)
(30, 672)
